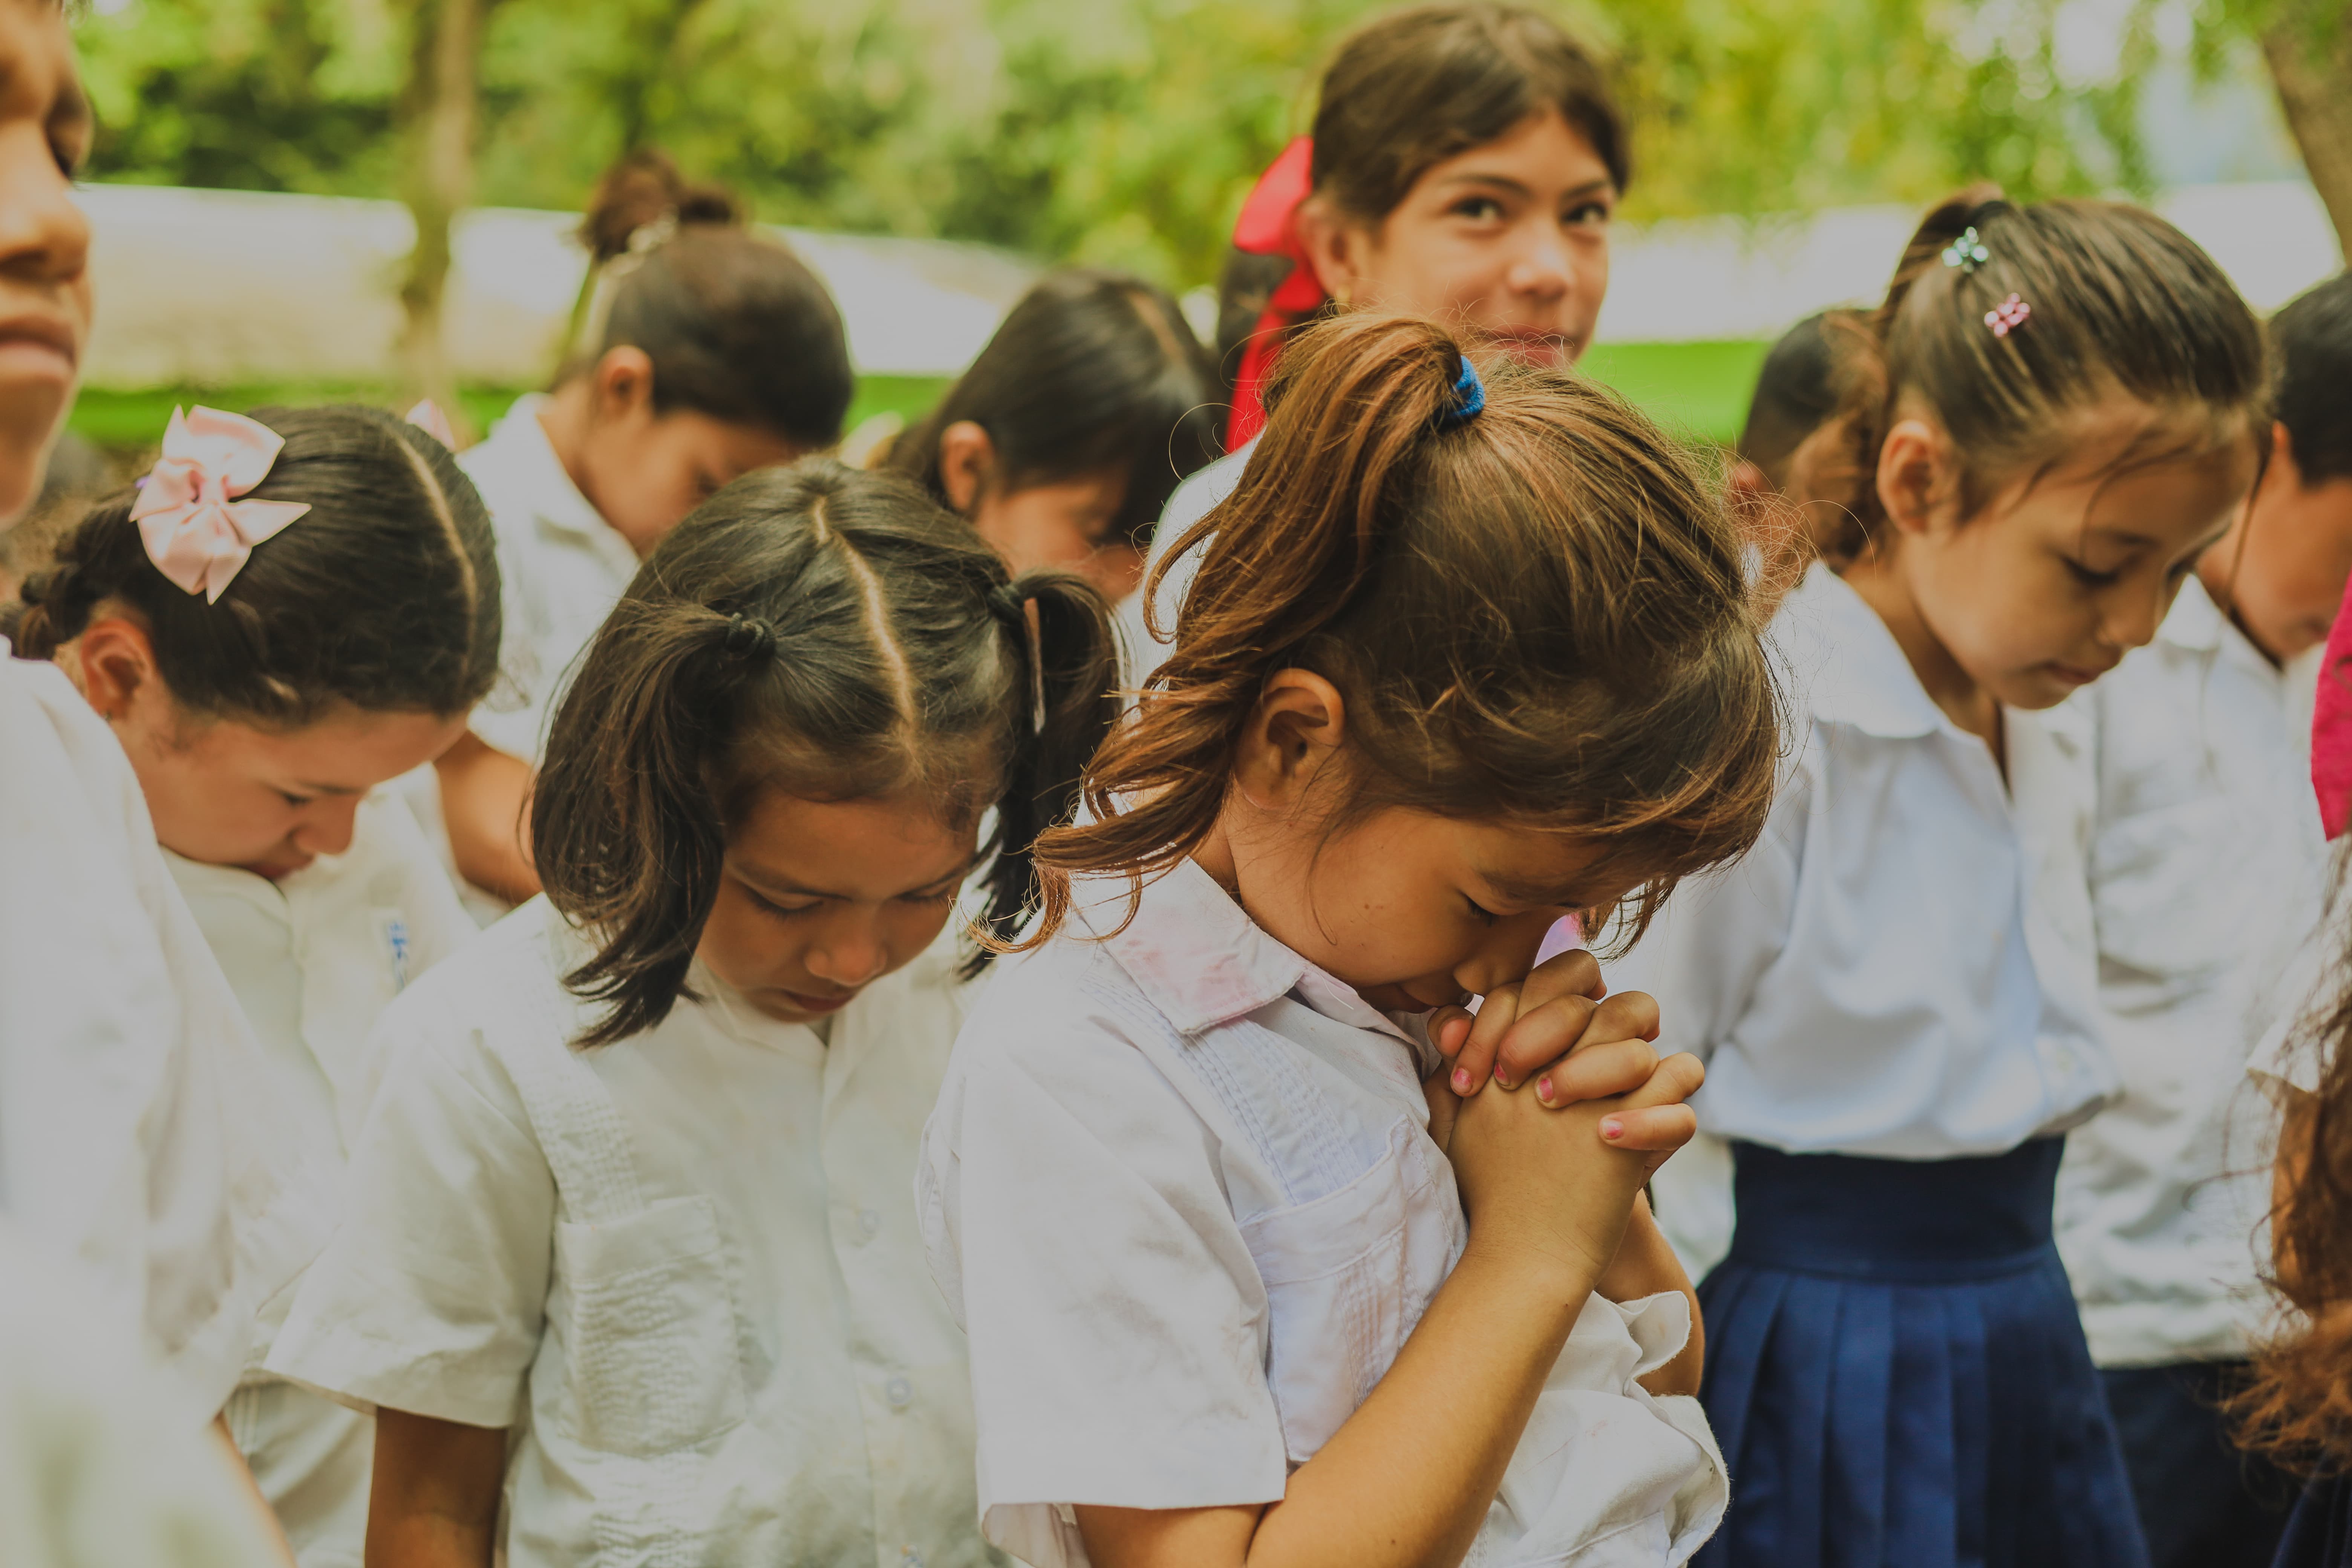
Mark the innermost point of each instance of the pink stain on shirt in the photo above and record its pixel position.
(2331, 726)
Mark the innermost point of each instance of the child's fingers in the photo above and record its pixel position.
(1474, 1064)
(1655, 1129)
(1678, 1078)
(1572, 973)
(1571, 1024)
(1449, 1030)
(1597, 1072)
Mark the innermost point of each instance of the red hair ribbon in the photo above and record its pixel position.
(2331, 726)
(1266, 228)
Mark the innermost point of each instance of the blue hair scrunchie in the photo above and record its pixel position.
(1469, 398)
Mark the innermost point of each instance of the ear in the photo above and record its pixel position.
(114, 661)
(2282, 461)
(1336, 248)
(966, 465)
(1296, 726)
(623, 385)
(1915, 470)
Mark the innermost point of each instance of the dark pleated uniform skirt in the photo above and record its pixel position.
(2319, 1531)
(1898, 1376)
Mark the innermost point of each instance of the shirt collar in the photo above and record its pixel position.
(1838, 653)
(1200, 960)
(517, 443)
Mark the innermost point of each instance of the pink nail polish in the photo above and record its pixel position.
(1543, 1090)
(1461, 1081)
(1613, 1129)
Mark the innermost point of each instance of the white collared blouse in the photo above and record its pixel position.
(683, 1269)
(1179, 1190)
(2207, 872)
(563, 568)
(1901, 967)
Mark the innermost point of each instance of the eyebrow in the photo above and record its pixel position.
(1521, 187)
(761, 880)
(1525, 891)
(305, 787)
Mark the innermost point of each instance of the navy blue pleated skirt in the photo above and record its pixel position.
(1897, 1373)
(2319, 1531)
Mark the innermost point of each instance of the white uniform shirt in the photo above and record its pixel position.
(1181, 1191)
(314, 958)
(685, 1267)
(1141, 652)
(139, 1131)
(99, 1466)
(1901, 966)
(563, 568)
(2207, 875)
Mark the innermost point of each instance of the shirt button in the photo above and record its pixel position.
(2065, 1058)
(868, 1222)
(899, 1391)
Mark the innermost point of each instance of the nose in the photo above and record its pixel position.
(1507, 953)
(2132, 622)
(849, 951)
(1543, 269)
(325, 827)
(44, 234)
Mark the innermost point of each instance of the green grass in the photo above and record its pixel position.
(1699, 388)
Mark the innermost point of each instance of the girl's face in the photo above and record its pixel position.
(226, 792)
(1508, 241)
(45, 299)
(2280, 569)
(1062, 525)
(2059, 573)
(1414, 910)
(817, 900)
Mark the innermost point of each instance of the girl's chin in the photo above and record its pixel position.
(1542, 350)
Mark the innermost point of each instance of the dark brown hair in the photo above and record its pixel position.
(831, 633)
(737, 326)
(1091, 371)
(2297, 1407)
(1413, 89)
(2123, 304)
(383, 596)
(2310, 343)
(1538, 615)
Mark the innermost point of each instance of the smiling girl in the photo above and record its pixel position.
(1465, 163)
(633, 1243)
(261, 705)
(2055, 410)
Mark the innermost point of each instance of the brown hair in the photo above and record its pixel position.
(829, 633)
(1092, 371)
(1413, 89)
(737, 327)
(383, 597)
(1537, 614)
(2123, 304)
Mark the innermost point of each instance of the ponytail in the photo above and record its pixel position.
(1067, 702)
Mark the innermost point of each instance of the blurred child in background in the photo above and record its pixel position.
(2055, 410)
(1066, 436)
(1465, 162)
(633, 1243)
(2205, 876)
(261, 704)
(706, 350)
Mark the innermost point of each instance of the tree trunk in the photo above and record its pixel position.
(439, 108)
(2309, 51)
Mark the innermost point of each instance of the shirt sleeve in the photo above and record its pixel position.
(1706, 950)
(1116, 1319)
(432, 1297)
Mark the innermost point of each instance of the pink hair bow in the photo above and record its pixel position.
(197, 532)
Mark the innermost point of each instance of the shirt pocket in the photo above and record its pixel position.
(2168, 913)
(653, 1357)
(1346, 1276)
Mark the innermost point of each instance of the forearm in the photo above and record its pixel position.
(484, 804)
(252, 1489)
(1407, 1482)
(1646, 1264)
(435, 1499)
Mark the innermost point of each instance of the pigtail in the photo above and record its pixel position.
(55, 604)
(1833, 474)
(1351, 403)
(626, 832)
(1066, 704)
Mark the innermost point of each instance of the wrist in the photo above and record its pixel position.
(1545, 1272)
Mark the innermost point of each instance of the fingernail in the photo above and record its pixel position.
(1543, 1090)
(1613, 1129)
(1499, 1077)
(1461, 1081)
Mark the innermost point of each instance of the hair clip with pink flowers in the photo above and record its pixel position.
(2008, 316)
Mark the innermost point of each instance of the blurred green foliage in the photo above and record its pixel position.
(1123, 133)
